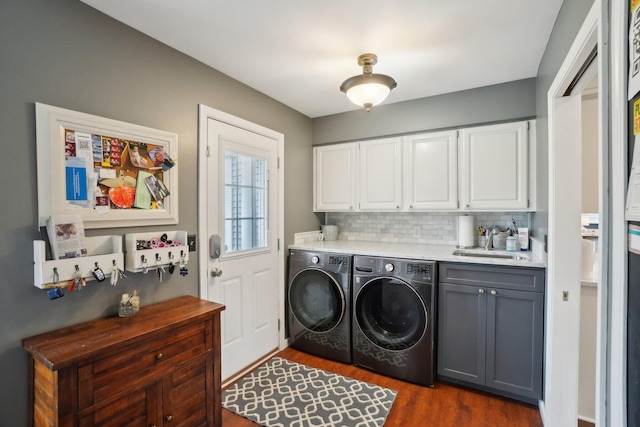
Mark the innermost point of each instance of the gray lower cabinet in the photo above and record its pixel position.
(490, 328)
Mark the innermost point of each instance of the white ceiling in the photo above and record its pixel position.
(300, 51)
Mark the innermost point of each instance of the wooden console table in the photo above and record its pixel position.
(160, 367)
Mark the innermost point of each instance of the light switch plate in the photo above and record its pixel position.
(191, 242)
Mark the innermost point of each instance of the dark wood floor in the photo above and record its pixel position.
(444, 405)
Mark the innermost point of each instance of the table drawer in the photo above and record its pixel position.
(127, 368)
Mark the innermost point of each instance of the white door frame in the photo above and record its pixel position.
(205, 113)
(560, 405)
(616, 386)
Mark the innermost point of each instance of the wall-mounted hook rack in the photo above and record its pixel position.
(104, 251)
(161, 247)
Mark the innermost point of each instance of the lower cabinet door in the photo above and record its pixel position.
(188, 398)
(138, 409)
(515, 342)
(462, 332)
(183, 398)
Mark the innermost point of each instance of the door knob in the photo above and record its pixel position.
(215, 272)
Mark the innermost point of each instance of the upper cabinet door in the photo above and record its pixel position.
(381, 174)
(494, 167)
(335, 169)
(431, 171)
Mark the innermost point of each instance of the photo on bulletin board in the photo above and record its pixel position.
(111, 173)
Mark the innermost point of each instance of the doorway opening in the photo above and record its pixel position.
(564, 397)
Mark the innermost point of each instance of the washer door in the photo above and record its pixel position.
(390, 313)
(316, 300)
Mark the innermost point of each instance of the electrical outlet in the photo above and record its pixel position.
(565, 295)
(191, 242)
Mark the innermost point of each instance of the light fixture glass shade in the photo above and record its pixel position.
(368, 89)
(368, 94)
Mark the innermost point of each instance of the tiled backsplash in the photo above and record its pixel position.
(412, 227)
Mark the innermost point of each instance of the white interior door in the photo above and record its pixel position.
(241, 228)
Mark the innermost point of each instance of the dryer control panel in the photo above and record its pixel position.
(417, 270)
(422, 269)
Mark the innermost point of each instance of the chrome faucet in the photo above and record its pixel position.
(490, 234)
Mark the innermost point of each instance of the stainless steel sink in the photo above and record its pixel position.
(489, 254)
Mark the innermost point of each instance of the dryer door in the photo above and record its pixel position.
(316, 300)
(390, 313)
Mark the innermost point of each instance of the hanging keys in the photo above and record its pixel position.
(159, 267)
(55, 293)
(115, 274)
(77, 281)
(183, 264)
(172, 263)
(145, 266)
(98, 273)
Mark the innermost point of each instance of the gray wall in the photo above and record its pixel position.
(568, 23)
(66, 54)
(503, 102)
(63, 53)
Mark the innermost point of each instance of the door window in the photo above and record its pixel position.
(245, 202)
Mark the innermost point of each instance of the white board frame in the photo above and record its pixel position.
(51, 123)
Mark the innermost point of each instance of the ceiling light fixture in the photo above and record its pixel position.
(368, 89)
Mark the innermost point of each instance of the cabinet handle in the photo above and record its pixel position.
(494, 292)
(168, 418)
(159, 356)
(481, 291)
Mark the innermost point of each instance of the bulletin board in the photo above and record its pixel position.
(111, 173)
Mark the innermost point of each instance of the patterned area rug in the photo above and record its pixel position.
(282, 393)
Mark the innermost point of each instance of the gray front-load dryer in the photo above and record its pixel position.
(394, 317)
(319, 304)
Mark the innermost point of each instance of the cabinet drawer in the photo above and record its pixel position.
(517, 278)
(127, 368)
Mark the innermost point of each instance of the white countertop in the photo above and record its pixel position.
(415, 251)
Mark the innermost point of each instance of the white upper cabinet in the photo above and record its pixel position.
(485, 168)
(334, 177)
(431, 171)
(494, 167)
(380, 186)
